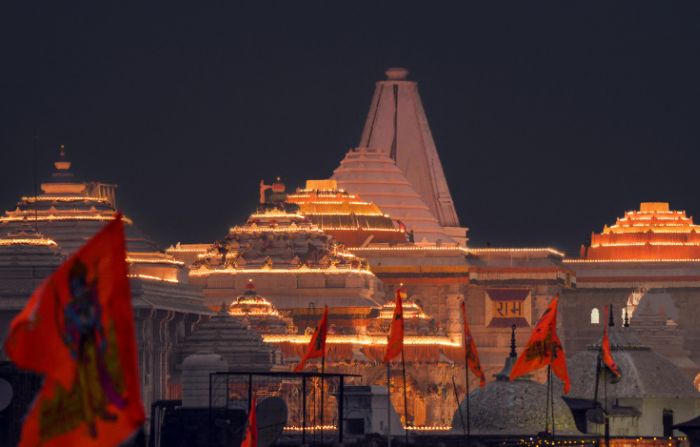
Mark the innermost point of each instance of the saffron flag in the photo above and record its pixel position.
(395, 342)
(470, 350)
(251, 430)
(606, 352)
(77, 329)
(317, 345)
(544, 348)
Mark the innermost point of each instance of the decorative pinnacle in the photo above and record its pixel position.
(62, 151)
(396, 74)
(626, 322)
(512, 342)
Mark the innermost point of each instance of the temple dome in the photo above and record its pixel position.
(259, 314)
(373, 175)
(505, 407)
(645, 374)
(513, 408)
(225, 335)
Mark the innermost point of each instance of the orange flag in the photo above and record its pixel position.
(317, 344)
(544, 348)
(470, 350)
(251, 431)
(606, 352)
(77, 329)
(395, 344)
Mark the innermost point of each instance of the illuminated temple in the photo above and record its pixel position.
(383, 219)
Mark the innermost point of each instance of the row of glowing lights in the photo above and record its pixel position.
(277, 214)
(286, 229)
(585, 261)
(458, 248)
(643, 244)
(364, 340)
(299, 428)
(48, 198)
(326, 213)
(153, 260)
(23, 241)
(330, 202)
(151, 277)
(301, 270)
(29, 215)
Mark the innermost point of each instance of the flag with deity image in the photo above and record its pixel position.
(544, 349)
(77, 330)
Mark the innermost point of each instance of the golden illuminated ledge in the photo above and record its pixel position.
(63, 198)
(154, 257)
(331, 270)
(364, 340)
(53, 214)
(44, 242)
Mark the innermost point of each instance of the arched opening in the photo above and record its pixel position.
(595, 316)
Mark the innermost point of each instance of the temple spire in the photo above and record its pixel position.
(397, 125)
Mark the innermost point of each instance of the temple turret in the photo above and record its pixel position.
(654, 232)
(397, 126)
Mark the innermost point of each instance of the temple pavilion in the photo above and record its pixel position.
(43, 229)
(647, 265)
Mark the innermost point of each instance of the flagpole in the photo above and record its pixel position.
(551, 403)
(323, 371)
(405, 399)
(388, 404)
(605, 414)
(549, 390)
(466, 381)
(459, 407)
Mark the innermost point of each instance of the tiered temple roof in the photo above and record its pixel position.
(373, 175)
(653, 246)
(70, 211)
(654, 232)
(293, 261)
(349, 219)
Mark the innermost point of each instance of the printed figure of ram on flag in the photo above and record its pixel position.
(77, 330)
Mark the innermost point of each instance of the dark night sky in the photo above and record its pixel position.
(551, 119)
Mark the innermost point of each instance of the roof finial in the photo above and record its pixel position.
(512, 342)
(62, 164)
(396, 73)
(626, 322)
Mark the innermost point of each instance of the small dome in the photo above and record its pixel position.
(225, 335)
(644, 373)
(259, 314)
(513, 408)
